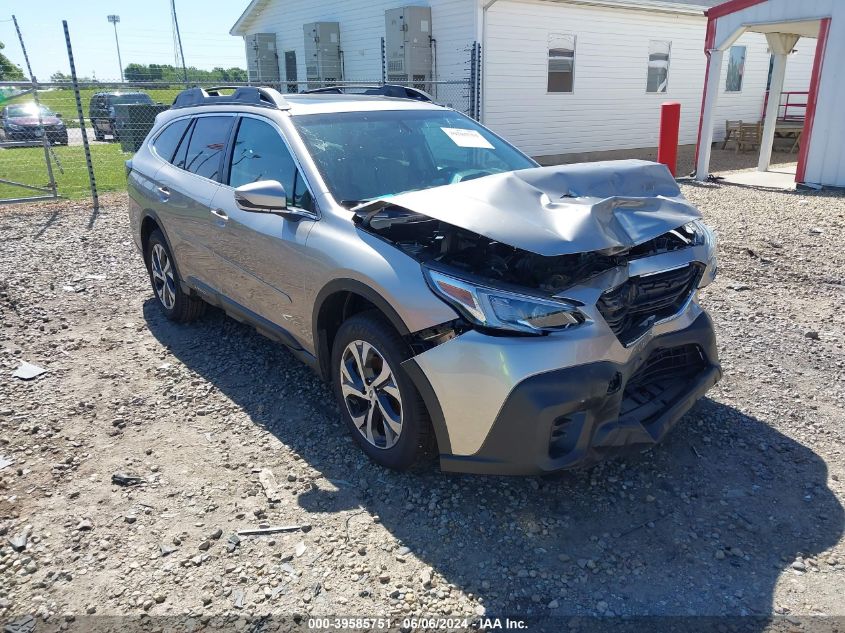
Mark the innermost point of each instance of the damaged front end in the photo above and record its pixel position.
(578, 333)
(505, 250)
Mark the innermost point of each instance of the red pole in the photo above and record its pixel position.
(670, 124)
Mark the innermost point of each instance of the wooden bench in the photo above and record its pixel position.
(748, 136)
(731, 130)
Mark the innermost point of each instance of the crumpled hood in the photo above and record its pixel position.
(560, 210)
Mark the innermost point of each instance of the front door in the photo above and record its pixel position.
(264, 253)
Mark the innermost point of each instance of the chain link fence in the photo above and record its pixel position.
(116, 117)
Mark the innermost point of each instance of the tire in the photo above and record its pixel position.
(414, 444)
(164, 278)
(98, 136)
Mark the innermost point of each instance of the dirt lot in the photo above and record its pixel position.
(739, 512)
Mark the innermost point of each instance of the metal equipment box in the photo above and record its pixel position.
(323, 57)
(407, 45)
(262, 62)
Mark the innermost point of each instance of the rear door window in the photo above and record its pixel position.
(166, 142)
(205, 149)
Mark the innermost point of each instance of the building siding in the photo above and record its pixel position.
(609, 108)
(361, 30)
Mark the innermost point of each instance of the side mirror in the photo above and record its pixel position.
(264, 196)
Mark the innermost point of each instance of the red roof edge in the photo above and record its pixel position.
(732, 6)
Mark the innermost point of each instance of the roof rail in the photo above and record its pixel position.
(242, 95)
(385, 90)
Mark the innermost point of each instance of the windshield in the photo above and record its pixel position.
(28, 110)
(365, 155)
(132, 98)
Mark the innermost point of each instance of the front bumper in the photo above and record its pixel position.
(574, 416)
(54, 135)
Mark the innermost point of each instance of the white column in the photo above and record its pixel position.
(781, 44)
(772, 107)
(714, 73)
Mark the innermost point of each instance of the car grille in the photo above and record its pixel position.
(660, 381)
(633, 307)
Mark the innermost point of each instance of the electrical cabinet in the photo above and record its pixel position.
(323, 56)
(407, 45)
(262, 63)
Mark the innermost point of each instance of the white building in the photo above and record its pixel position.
(785, 24)
(558, 76)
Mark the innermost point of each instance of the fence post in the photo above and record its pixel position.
(383, 63)
(473, 70)
(91, 179)
(45, 142)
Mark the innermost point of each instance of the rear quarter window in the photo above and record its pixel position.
(167, 141)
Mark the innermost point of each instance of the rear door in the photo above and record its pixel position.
(264, 253)
(186, 186)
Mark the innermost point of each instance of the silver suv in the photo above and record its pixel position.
(462, 301)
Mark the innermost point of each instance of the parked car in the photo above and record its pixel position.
(461, 300)
(104, 117)
(20, 123)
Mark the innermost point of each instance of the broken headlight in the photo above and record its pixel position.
(705, 236)
(503, 310)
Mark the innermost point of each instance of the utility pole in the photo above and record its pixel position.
(114, 19)
(178, 40)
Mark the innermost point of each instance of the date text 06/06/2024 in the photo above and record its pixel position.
(355, 623)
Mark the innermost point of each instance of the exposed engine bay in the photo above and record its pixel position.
(433, 241)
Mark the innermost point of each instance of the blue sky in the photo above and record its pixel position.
(144, 31)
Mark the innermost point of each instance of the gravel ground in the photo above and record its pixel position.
(738, 512)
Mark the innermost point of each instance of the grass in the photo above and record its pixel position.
(26, 165)
(63, 101)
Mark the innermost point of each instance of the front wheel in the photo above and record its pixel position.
(174, 303)
(377, 400)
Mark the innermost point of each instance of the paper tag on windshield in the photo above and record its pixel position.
(466, 138)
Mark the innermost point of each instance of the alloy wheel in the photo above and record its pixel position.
(371, 394)
(164, 282)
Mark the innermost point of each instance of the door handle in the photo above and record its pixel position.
(164, 192)
(220, 213)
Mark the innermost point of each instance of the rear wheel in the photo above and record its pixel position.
(176, 305)
(377, 400)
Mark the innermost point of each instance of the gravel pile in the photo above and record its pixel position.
(129, 467)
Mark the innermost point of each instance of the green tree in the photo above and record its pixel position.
(9, 71)
(136, 72)
(59, 77)
(171, 74)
